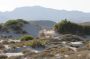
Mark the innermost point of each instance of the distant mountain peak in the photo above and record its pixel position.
(38, 6)
(43, 13)
(29, 7)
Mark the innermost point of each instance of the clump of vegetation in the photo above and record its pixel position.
(3, 28)
(16, 25)
(67, 27)
(17, 22)
(22, 21)
(36, 43)
(26, 38)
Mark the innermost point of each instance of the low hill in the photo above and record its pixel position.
(19, 27)
(85, 23)
(35, 26)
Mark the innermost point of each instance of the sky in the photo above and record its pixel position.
(80, 5)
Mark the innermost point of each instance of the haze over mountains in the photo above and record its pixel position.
(41, 13)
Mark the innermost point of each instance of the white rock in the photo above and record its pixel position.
(14, 54)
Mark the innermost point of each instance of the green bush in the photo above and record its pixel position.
(15, 25)
(17, 22)
(26, 38)
(67, 27)
(23, 21)
(36, 43)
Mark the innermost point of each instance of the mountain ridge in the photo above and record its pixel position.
(42, 13)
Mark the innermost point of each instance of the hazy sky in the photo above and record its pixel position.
(81, 5)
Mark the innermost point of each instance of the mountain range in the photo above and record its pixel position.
(42, 13)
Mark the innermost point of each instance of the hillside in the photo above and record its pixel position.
(35, 26)
(19, 28)
(42, 13)
(85, 23)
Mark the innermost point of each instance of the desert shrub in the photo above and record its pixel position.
(67, 27)
(16, 25)
(3, 28)
(17, 22)
(23, 21)
(36, 43)
(26, 38)
(13, 23)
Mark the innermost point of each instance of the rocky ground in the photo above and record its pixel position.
(66, 47)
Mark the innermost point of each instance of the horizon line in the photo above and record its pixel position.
(44, 7)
